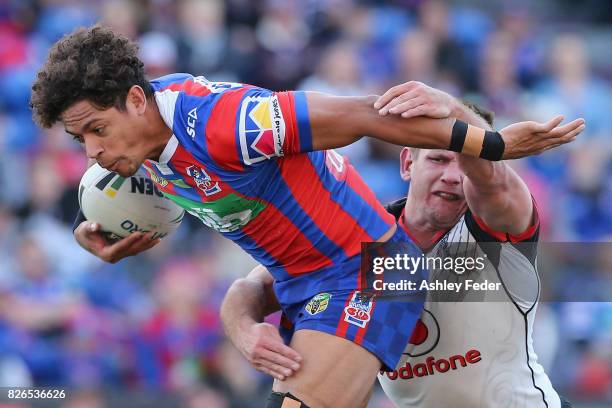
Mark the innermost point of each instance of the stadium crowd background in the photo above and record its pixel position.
(146, 332)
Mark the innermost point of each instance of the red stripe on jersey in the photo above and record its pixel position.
(531, 229)
(221, 130)
(283, 240)
(328, 215)
(189, 87)
(354, 181)
(361, 332)
(528, 233)
(291, 144)
(342, 327)
(498, 235)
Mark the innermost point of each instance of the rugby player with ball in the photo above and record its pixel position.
(252, 164)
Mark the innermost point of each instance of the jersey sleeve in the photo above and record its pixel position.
(483, 233)
(251, 125)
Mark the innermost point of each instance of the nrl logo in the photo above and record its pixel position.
(203, 180)
(318, 303)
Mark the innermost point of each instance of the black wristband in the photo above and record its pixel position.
(458, 136)
(492, 146)
(80, 217)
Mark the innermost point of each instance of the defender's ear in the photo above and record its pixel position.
(406, 160)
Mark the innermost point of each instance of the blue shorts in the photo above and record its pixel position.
(381, 325)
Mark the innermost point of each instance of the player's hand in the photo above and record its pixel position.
(89, 235)
(532, 138)
(265, 350)
(414, 98)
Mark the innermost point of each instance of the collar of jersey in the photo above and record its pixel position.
(168, 151)
(433, 239)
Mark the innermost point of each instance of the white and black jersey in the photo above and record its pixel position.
(476, 350)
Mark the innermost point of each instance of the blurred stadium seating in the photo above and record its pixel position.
(145, 332)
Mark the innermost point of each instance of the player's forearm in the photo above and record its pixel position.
(421, 132)
(484, 174)
(243, 306)
(492, 189)
(339, 121)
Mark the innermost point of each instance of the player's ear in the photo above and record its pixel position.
(136, 100)
(406, 159)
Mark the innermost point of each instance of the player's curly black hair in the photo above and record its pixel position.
(94, 64)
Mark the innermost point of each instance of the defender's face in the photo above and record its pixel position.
(437, 184)
(114, 138)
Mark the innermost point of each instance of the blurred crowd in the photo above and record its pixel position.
(146, 331)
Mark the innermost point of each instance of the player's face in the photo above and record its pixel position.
(436, 184)
(116, 139)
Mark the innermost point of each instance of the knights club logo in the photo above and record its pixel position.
(203, 180)
(358, 310)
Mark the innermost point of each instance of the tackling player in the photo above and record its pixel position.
(251, 164)
(461, 353)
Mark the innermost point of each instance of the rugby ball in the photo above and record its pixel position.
(122, 205)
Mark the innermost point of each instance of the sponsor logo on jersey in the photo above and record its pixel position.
(261, 128)
(318, 303)
(432, 366)
(358, 310)
(192, 117)
(203, 180)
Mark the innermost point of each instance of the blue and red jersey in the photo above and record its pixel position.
(240, 159)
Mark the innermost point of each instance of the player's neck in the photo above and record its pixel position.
(159, 133)
(419, 226)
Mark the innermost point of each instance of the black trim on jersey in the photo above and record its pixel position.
(396, 207)
(526, 324)
(491, 246)
(478, 233)
(529, 247)
(527, 353)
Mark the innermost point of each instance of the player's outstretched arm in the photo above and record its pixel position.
(493, 191)
(339, 121)
(244, 307)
